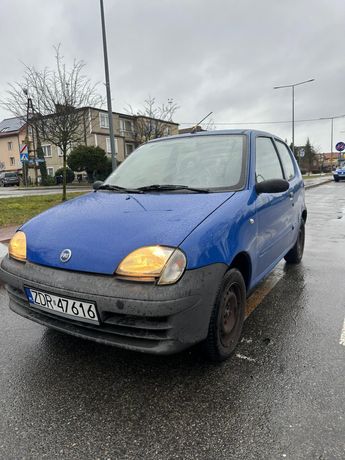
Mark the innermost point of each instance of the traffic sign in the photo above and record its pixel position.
(24, 149)
(340, 146)
(24, 157)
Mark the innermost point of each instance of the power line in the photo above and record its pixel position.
(261, 122)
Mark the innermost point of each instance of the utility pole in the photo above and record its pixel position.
(107, 85)
(293, 109)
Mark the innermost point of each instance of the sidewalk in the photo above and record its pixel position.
(6, 233)
(316, 181)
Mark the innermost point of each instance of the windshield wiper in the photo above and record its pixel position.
(167, 187)
(117, 188)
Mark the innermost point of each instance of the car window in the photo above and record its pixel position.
(286, 160)
(267, 162)
(209, 161)
(10, 175)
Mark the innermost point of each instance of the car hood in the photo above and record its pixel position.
(101, 228)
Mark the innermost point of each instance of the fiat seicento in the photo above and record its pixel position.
(164, 253)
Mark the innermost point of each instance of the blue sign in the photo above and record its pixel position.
(24, 157)
(340, 146)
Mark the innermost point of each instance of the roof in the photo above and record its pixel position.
(11, 125)
(220, 132)
(128, 115)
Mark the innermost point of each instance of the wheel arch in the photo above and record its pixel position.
(304, 215)
(243, 263)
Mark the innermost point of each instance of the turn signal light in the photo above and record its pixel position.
(17, 247)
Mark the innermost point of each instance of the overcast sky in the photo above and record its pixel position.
(223, 56)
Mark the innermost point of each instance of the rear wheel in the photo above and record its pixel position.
(227, 317)
(294, 256)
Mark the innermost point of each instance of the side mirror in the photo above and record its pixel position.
(96, 185)
(272, 186)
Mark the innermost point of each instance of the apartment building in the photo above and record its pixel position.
(94, 130)
(12, 135)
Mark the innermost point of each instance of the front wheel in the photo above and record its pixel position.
(294, 256)
(227, 317)
(336, 178)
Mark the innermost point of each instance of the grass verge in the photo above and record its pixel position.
(15, 211)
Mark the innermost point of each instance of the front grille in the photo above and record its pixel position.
(152, 328)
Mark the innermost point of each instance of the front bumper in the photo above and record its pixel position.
(136, 316)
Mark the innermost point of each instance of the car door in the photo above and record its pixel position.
(273, 211)
(295, 185)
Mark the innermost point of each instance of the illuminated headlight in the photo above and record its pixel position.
(17, 247)
(153, 263)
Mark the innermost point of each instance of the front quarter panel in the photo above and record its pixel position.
(224, 234)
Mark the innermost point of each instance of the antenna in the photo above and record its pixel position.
(196, 126)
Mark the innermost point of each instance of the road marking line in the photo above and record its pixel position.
(342, 336)
(263, 289)
(252, 360)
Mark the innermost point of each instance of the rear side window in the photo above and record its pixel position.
(267, 162)
(286, 160)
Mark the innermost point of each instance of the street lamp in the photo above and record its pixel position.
(332, 118)
(293, 107)
(107, 84)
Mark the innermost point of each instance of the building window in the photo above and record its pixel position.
(50, 171)
(167, 131)
(103, 120)
(9, 145)
(47, 150)
(12, 161)
(109, 146)
(129, 149)
(126, 126)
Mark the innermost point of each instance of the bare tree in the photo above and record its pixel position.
(58, 98)
(152, 120)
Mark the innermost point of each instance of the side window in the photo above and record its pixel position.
(267, 161)
(286, 160)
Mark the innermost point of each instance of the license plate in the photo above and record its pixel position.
(63, 306)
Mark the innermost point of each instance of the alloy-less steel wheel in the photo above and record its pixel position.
(227, 317)
(294, 256)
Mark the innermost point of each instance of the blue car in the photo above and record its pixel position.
(339, 173)
(164, 253)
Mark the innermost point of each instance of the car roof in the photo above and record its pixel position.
(245, 132)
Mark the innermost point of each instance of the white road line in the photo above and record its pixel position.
(245, 357)
(342, 336)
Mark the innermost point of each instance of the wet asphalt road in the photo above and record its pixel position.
(62, 397)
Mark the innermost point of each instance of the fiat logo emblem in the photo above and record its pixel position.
(65, 255)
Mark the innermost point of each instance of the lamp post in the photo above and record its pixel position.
(332, 119)
(107, 84)
(293, 107)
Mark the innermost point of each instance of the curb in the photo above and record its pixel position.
(318, 185)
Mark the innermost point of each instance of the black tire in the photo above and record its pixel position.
(294, 256)
(227, 317)
(336, 179)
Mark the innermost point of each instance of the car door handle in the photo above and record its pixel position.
(291, 195)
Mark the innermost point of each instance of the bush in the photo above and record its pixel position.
(49, 180)
(69, 175)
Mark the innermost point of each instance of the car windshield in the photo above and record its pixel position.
(10, 175)
(207, 161)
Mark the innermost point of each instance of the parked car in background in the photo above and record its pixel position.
(165, 252)
(339, 173)
(8, 178)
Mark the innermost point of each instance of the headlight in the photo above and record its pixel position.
(17, 247)
(153, 262)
